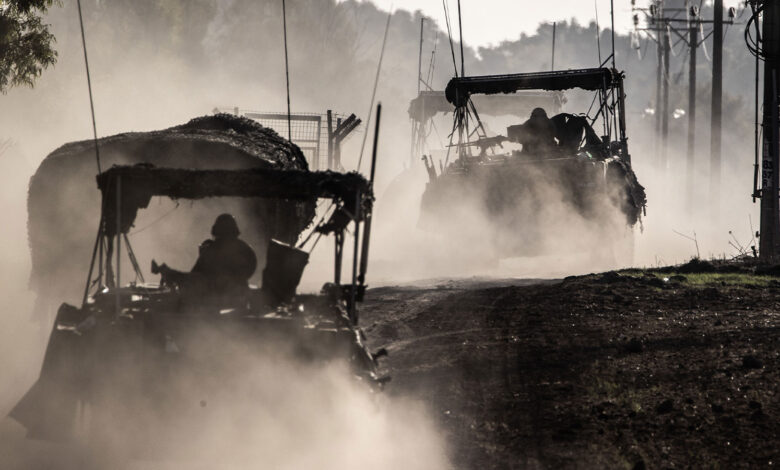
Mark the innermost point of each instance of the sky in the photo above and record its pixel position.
(488, 22)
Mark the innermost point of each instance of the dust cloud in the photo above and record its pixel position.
(238, 409)
(159, 64)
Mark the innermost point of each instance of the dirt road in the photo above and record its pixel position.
(631, 370)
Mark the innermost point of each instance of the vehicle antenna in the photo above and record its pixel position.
(89, 87)
(376, 82)
(460, 32)
(419, 58)
(598, 30)
(286, 69)
(449, 35)
(367, 217)
(614, 69)
(612, 15)
(552, 65)
(97, 250)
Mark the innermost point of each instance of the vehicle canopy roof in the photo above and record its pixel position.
(430, 103)
(138, 183)
(460, 89)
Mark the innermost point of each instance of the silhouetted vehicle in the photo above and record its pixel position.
(521, 202)
(120, 350)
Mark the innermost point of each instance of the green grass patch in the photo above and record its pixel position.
(743, 279)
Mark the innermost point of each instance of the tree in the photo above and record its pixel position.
(26, 45)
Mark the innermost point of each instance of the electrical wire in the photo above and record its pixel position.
(704, 44)
(754, 44)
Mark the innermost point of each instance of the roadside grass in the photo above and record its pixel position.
(707, 279)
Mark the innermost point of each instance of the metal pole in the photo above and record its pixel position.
(118, 284)
(376, 142)
(355, 255)
(658, 79)
(419, 59)
(460, 31)
(552, 65)
(665, 110)
(690, 159)
(339, 250)
(330, 139)
(368, 216)
(717, 95)
(612, 17)
(286, 70)
(92, 264)
(770, 212)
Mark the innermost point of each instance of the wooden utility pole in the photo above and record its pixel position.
(658, 79)
(769, 244)
(693, 43)
(717, 97)
(665, 106)
(661, 27)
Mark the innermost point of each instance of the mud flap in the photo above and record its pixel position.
(48, 409)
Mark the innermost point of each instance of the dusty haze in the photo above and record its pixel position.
(157, 64)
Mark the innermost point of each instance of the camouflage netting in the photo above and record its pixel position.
(64, 201)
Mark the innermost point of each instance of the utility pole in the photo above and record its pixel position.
(693, 43)
(662, 25)
(717, 101)
(665, 109)
(770, 205)
(658, 79)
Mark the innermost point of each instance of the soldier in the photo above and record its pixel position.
(537, 134)
(224, 265)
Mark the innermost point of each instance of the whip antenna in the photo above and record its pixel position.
(286, 69)
(612, 14)
(89, 87)
(449, 35)
(598, 30)
(376, 81)
(552, 64)
(460, 32)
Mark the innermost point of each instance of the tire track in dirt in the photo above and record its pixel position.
(593, 372)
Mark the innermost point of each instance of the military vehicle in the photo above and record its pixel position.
(529, 201)
(63, 204)
(117, 350)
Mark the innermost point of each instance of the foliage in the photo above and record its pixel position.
(25, 42)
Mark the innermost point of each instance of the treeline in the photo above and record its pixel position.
(237, 45)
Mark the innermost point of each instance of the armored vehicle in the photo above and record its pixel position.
(567, 189)
(118, 350)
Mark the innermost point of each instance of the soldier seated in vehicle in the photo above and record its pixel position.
(574, 132)
(224, 266)
(537, 134)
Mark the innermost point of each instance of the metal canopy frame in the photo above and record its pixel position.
(125, 189)
(607, 82)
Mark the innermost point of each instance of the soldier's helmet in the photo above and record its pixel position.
(225, 227)
(538, 113)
